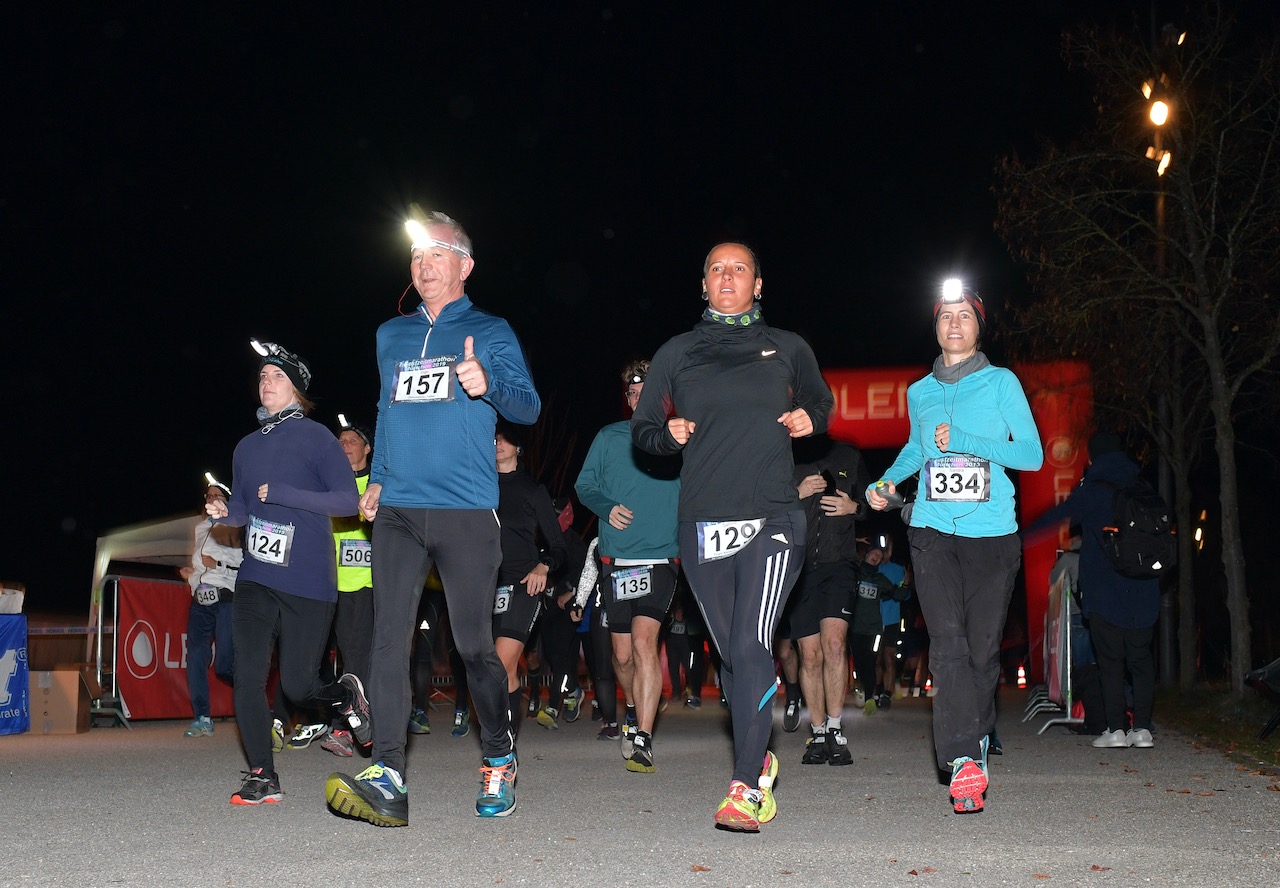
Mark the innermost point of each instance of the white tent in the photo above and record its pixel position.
(167, 541)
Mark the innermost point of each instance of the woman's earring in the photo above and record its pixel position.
(704, 295)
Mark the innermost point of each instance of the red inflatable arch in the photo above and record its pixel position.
(871, 412)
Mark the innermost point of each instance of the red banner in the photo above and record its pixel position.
(1061, 398)
(871, 405)
(151, 639)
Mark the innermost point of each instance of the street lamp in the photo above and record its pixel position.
(1159, 114)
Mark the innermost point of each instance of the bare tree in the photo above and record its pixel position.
(1159, 262)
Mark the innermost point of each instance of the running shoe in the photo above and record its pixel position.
(791, 717)
(260, 787)
(419, 723)
(596, 715)
(869, 708)
(461, 723)
(641, 760)
(201, 727)
(662, 704)
(303, 735)
(838, 748)
(339, 742)
(376, 794)
(994, 744)
(609, 731)
(740, 810)
(693, 703)
(357, 712)
(1139, 739)
(968, 783)
(547, 718)
(884, 701)
(573, 706)
(768, 779)
(497, 796)
(277, 736)
(1111, 740)
(628, 734)
(535, 700)
(816, 751)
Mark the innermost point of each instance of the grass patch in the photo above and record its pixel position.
(1212, 715)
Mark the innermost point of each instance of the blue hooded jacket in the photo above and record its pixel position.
(1120, 600)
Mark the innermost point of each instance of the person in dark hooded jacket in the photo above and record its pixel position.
(1120, 611)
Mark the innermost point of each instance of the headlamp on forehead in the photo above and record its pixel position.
(211, 481)
(955, 292)
(421, 239)
(346, 426)
(635, 379)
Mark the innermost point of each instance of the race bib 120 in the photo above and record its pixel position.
(724, 539)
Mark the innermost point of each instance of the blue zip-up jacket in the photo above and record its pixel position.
(309, 481)
(989, 418)
(1121, 601)
(441, 455)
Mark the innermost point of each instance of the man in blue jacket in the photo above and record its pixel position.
(448, 371)
(1120, 611)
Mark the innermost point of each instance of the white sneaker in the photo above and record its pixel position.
(1140, 738)
(1111, 740)
(304, 734)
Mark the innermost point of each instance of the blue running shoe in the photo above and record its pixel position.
(461, 723)
(376, 794)
(419, 723)
(573, 706)
(497, 796)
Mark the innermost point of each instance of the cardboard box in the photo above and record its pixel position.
(59, 702)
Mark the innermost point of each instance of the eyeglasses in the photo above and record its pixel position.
(632, 395)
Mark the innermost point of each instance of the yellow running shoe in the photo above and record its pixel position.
(768, 776)
(740, 810)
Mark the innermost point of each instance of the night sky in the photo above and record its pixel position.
(180, 181)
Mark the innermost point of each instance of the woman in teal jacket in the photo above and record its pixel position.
(970, 423)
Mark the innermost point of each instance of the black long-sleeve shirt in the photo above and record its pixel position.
(733, 383)
(524, 509)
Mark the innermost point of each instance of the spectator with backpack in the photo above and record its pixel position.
(1120, 609)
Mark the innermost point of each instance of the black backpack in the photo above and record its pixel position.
(1140, 541)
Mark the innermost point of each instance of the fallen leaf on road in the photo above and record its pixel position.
(699, 868)
(1100, 869)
